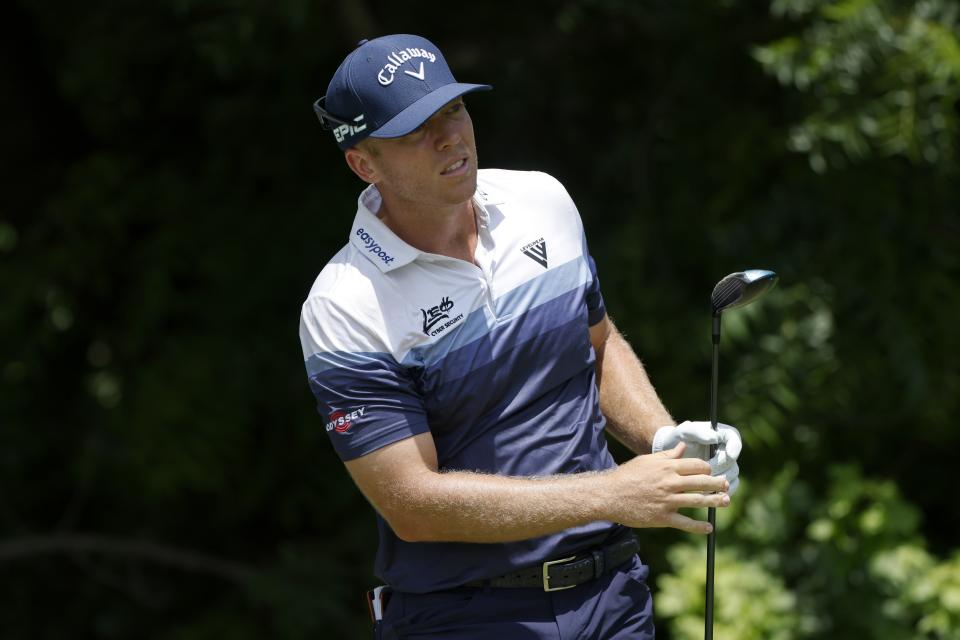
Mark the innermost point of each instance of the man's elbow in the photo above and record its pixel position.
(413, 507)
(412, 527)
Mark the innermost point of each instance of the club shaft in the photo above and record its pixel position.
(711, 551)
(711, 512)
(714, 376)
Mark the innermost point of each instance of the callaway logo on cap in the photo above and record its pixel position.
(386, 88)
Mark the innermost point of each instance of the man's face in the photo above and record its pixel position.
(435, 165)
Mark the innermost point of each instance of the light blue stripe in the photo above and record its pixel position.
(551, 285)
(320, 362)
(475, 326)
(529, 295)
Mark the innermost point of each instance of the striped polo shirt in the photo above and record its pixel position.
(493, 359)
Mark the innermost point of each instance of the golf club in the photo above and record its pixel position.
(736, 290)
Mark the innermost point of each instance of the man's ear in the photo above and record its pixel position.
(360, 162)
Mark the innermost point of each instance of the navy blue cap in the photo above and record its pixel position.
(386, 88)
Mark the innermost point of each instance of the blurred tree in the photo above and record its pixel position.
(880, 78)
(858, 570)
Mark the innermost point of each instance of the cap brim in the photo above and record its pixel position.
(421, 110)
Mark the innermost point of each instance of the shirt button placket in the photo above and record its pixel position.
(487, 295)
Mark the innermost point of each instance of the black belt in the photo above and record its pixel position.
(566, 573)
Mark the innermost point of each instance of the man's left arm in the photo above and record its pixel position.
(633, 410)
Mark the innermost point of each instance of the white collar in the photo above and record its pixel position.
(375, 240)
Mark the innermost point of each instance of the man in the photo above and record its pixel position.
(459, 349)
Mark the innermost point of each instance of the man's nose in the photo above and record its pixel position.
(447, 134)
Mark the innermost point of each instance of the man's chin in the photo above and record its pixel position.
(463, 190)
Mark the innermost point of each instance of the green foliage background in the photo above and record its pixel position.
(168, 198)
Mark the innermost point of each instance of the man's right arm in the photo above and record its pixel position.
(422, 504)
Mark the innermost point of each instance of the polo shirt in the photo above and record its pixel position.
(493, 359)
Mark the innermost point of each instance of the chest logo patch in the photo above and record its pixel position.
(537, 251)
(437, 319)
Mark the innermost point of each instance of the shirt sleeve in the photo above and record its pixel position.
(366, 399)
(595, 306)
(596, 309)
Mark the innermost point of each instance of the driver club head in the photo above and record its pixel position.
(741, 288)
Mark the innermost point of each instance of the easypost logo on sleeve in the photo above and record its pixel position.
(373, 246)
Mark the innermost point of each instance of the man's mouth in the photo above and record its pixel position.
(455, 167)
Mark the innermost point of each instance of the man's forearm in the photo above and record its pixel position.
(474, 507)
(422, 504)
(633, 410)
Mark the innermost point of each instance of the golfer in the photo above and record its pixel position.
(466, 371)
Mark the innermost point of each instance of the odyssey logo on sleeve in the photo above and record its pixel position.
(397, 58)
(341, 421)
(434, 316)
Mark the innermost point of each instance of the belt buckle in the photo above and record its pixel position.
(546, 574)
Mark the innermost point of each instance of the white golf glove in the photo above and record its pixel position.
(699, 436)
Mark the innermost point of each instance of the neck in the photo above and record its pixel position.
(447, 230)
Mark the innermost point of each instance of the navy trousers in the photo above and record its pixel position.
(617, 606)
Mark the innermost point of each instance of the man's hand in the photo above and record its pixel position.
(649, 490)
(699, 436)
